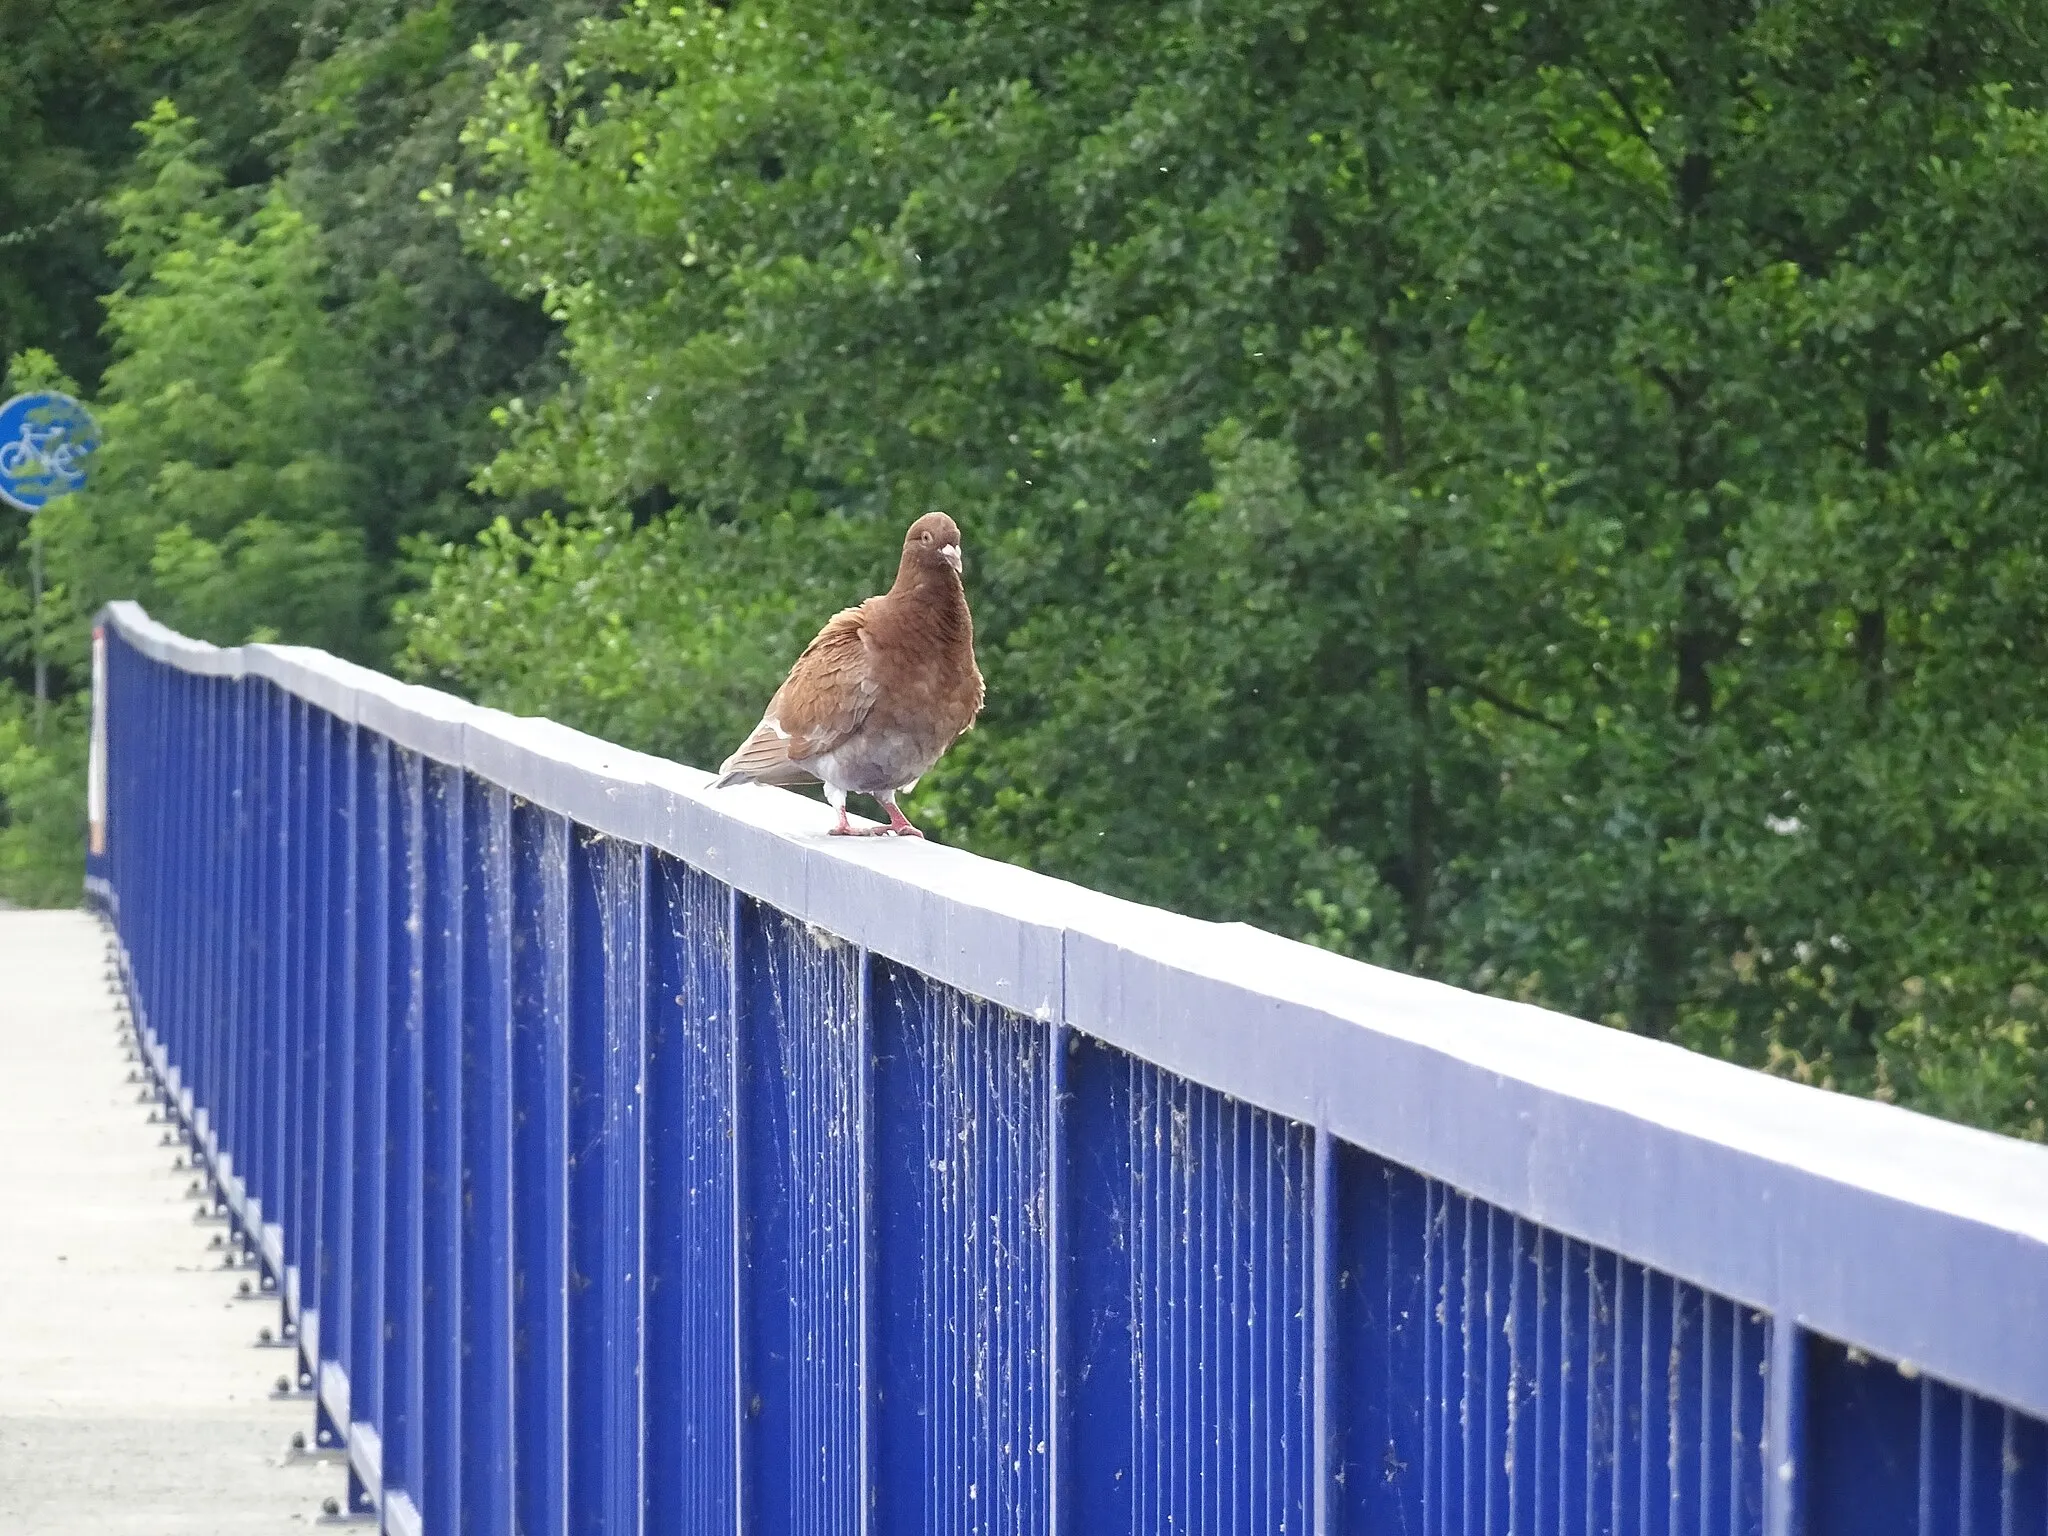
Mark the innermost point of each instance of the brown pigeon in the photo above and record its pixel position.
(877, 698)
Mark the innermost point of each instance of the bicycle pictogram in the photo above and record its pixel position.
(45, 441)
(49, 451)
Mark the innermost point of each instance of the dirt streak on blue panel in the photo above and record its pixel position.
(1191, 1320)
(485, 1409)
(440, 1231)
(338, 1058)
(540, 1042)
(606, 995)
(405, 1131)
(373, 1007)
(1501, 1380)
(690, 1391)
(801, 1321)
(1748, 1382)
(962, 1417)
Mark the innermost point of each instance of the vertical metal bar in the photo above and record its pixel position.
(441, 1125)
(338, 1082)
(689, 1395)
(289, 907)
(540, 958)
(282, 1101)
(735, 1011)
(303, 1234)
(867, 1306)
(401, 1281)
(486, 1421)
(606, 1252)
(1785, 1429)
(1056, 1273)
(373, 892)
(1322, 1285)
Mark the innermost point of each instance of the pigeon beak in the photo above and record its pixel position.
(950, 553)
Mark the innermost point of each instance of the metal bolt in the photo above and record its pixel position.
(177, 1162)
(284, 1387)
(298, 1437)
(216, 1241)
(331, 1507)
(263, 1337)
(246, 1288)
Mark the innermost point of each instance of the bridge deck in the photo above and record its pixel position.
(131, 1398)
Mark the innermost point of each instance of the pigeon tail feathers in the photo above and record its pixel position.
(763, 758)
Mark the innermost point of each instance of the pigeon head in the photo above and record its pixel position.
(933, 540)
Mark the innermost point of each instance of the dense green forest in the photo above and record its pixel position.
(1545, 496)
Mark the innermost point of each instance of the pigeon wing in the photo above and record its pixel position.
(826, 696)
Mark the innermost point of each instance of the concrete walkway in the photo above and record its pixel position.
(132, 1398)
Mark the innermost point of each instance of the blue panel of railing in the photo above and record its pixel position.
(633, 1160)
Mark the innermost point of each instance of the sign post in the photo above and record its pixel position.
(45, 439)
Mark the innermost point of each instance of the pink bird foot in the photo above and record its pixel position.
(898, 822)
(847, 829)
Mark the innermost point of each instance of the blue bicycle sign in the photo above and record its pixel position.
(45, 439)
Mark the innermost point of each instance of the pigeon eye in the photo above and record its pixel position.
(926, 536)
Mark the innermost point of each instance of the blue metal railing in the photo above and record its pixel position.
(633, 1159)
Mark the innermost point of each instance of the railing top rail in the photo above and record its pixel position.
(1907, 1236)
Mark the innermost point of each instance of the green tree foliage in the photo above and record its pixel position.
(306, 358)
(1544, 496)
(42, 801)
(79, 73)
(231, 488)
(372, 115)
